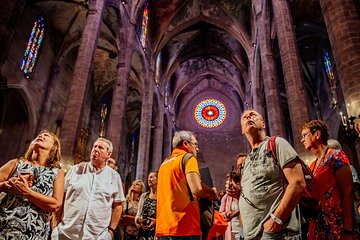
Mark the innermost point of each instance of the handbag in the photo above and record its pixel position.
(218, 227)
(3, 194)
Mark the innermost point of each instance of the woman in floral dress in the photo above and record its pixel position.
(146, 215)
(332, 171)
(34, 190)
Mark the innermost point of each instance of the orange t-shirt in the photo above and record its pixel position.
(175, 214)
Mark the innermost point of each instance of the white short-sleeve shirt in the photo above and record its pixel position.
(89, 195)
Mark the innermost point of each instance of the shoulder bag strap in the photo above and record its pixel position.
(184, 160)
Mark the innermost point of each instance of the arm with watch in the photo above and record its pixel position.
(115, 217)
(295, 188)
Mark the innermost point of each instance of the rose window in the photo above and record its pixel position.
(210, 113)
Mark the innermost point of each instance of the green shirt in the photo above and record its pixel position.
(262, 185)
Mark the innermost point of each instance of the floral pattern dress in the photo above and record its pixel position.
(328, 224)
(19, 218)
(149, 210)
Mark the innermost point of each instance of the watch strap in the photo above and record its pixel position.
(276, 219)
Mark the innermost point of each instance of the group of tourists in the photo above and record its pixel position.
(38, 201)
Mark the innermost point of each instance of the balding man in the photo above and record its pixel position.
(267, 211)
(93, 198)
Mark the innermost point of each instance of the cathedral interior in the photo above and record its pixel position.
(136, 71)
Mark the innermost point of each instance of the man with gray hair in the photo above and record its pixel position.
(93, 198)
(177, 217)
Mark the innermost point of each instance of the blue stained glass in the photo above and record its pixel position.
(33, 45)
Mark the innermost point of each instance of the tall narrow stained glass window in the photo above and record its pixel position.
(33, 47)
(157, 68)
(332, 81)
(144, 24)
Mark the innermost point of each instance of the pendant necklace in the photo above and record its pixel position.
(314, 171)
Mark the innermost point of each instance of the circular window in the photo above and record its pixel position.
(210, 113)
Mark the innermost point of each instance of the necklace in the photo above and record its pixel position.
(321, 161)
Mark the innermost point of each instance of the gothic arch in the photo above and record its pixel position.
(17, 127)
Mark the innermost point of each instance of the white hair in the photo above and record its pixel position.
(334, 144)
(108, 143)
(180, 136)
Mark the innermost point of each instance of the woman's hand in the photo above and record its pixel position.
(151, 225)
(20, 185)
(5, 186)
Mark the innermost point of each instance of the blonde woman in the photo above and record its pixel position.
(146, 215)
(35, 188)
(128, 228)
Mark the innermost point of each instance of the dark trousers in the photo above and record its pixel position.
(179, 238)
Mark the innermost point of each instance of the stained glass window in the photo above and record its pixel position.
(332, 81)
(210, 113)
(144, 24)
(33, 47)
(157, 68)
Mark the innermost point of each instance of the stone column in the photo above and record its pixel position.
(158, 137)
(167, 135)
(16, 8)
(255, 75)
(294, 80)
(117, 113)
(343, 26)
(269, 75)
(145, 128)
(82, 73)
(49, 94)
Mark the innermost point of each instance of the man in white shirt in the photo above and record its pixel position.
(93, 198)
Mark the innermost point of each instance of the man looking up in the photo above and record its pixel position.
(93, 198)
(177, 217)
(267, 211)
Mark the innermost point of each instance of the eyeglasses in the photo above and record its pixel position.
(195, 144)
(304, 135)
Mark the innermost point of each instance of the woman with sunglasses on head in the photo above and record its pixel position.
(332, 171)
(34, 186)
(128, 229)
(146, 215)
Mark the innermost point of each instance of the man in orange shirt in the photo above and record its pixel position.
(176, 216)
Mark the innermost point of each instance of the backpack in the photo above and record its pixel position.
(212, 223)
(310, 199)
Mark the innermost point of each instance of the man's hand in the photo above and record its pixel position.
(213, 195)
(271, 226)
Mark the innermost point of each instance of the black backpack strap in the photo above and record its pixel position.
(184, 160)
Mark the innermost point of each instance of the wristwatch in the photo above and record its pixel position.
(276, 219)
(112, 230)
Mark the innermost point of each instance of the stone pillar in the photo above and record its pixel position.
(158, 137)
(49, 94)
(117, 113)
(255, 75)
(145, 128)
(167, 135)
(82, 73)
(269, 75)
(294, 80)
(343, 26)
(16, 8)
